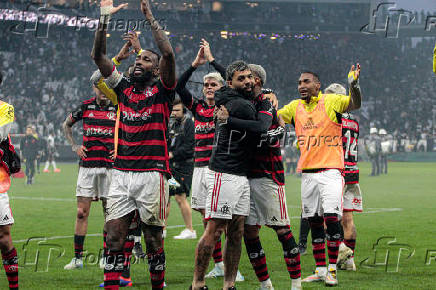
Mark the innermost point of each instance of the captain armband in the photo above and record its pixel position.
(114, 79)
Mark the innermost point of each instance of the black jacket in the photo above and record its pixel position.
(232, 147)
(29, 146)
(181, 144)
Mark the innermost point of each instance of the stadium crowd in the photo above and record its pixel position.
(397, 71)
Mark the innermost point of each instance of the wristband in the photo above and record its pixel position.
(96, 77)
(352, 80)
(114, 60)
(105, 14)
(106, 10)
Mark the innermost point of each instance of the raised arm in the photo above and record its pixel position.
(167, 65)
(184, 93)
(209, 57)
(98, 53)
(355, 94)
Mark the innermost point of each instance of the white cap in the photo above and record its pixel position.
(373, 131)
(382, 132)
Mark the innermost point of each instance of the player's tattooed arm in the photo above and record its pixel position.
(167, 65)
(68, 131)
(98, 53)
(355, 93)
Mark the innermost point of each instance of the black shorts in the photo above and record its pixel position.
(185, 181)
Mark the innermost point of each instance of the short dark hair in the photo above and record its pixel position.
(235, 66)
(177, 101)
(315, 75)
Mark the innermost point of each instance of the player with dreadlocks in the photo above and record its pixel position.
(141, 168)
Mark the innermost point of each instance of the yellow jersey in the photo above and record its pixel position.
(333, 103)
(109, 93)
(6, 119)
(6, 113)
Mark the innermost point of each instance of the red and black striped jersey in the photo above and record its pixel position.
(204, 131)
(98, 132)
(267, 161)
(143, 126)
(350, 136)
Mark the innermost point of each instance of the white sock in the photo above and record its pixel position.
(296, 282)
(220, 264)
(266, 283)
(332, 267)
(47, 164)
(321, 270)
(54, 164)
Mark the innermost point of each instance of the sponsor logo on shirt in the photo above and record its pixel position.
(204, 128)
(111, 116)
(310, 125)
(350, 125)
(136, 116)
(98, 132)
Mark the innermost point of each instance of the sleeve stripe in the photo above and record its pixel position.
(265, 112)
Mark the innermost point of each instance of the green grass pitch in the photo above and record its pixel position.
(399, 206)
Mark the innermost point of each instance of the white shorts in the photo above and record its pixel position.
(322, 193)
(93, 182)
(228, 195)
(6, 217)
(146, 192)
(199, 188)
(353, 198)
(267, 203)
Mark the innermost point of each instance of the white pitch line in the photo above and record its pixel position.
(367, 210)
(377, 210)
(42, 198)
(88, 235)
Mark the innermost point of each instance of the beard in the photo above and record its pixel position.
(104, 102)
(245, 93)
(143, 78)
